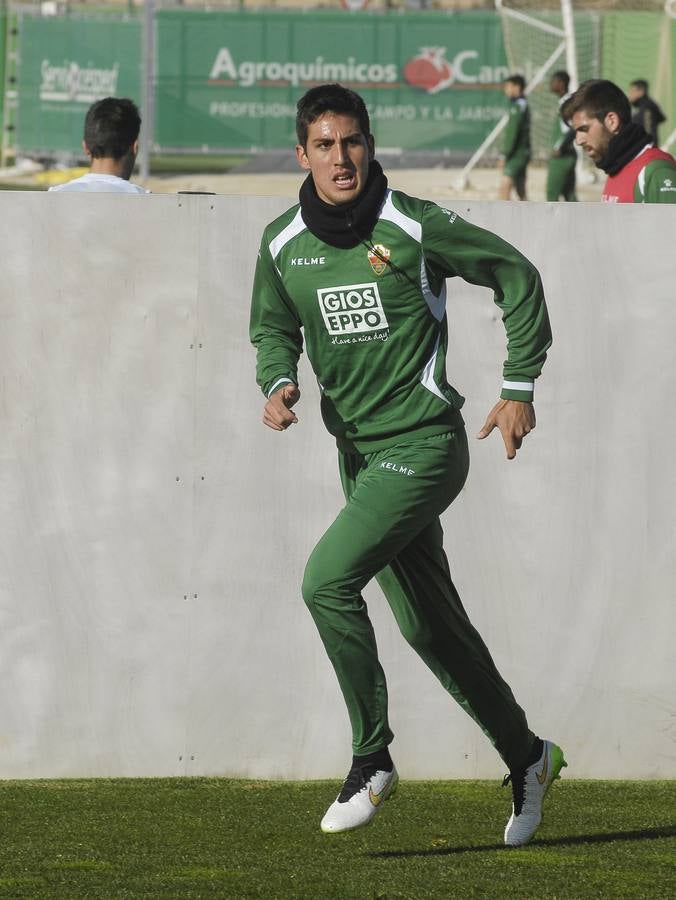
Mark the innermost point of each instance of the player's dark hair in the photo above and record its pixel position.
(597, 98)
(640, 83)
(111, 127)
(329, 98)
(518, 80)
(562, 76)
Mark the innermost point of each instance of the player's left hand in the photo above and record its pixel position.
(515, 419)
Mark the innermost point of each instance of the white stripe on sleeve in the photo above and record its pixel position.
(277, 384)
(517, 386)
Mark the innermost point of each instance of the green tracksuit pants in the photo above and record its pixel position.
(389, 529)
(561, 178)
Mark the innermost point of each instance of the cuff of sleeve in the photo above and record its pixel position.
(517, 390)
(277, 384)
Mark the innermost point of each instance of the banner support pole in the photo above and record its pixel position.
(147, 71)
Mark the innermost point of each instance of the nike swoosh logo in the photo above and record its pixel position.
(376, 799)
(542, 776)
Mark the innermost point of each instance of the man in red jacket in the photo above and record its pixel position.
(638, 172)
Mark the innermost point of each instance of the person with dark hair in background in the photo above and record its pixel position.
(358, 272)
(563, 158)
(110, 140)
(645, 111)
(515, 146)
(600, 115)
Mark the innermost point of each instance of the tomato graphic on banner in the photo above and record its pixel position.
(429, 70)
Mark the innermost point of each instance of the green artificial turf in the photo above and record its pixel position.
(221, 838)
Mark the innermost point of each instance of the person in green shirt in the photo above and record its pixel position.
(563, 158)
(515, 146)
(357, 273)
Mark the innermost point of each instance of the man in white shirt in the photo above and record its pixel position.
(111, 132)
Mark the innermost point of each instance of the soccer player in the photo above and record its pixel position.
(563, 158)
(110, 140)
(362, 269)
(600, 114)
(515, 147)
(645, 111)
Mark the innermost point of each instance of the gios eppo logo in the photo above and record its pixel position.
(352, 309)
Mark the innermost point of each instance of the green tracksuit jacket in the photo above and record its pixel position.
(561, 168)
(563, 136)
(374, 318)
(657, 183)
(515, 145)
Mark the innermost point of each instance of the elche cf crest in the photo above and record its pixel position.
(379, 256)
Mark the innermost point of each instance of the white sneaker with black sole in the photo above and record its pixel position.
(529, 789)
(364, 790)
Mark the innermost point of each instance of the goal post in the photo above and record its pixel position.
(536, 80)
(571, 49)
(538, 41)
(666, 69)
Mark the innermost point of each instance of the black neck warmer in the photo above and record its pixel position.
(623, 148)
(347, 225)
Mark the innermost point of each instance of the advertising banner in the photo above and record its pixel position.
(65, 65)
(230, 80)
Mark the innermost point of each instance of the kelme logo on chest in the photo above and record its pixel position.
(352, 308)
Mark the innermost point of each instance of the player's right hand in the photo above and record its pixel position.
(277, 412)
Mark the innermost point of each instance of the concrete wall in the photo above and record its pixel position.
(155, 533)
